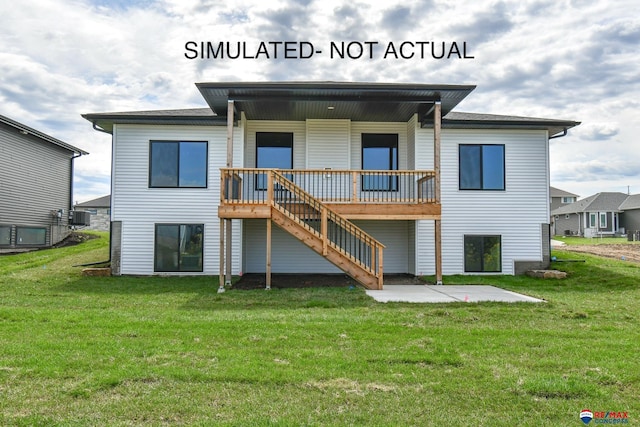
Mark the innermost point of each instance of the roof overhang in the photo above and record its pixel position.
(26, 130)
(459, 120)
(186, 117)
(389, 102)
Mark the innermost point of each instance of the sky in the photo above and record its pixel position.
(574, 60)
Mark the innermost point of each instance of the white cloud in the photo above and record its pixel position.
(564, 59)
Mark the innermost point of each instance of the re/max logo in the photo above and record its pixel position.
(610, 415)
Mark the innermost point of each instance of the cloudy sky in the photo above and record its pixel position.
(576, 60)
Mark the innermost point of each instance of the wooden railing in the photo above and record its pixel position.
(333, 229)
(249, 185)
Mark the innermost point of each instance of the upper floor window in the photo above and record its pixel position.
(178, 164)
(379, 152)
(568, 199)
(481, 167)
(273, 150)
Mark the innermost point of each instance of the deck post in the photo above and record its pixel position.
(437, 125)
(230, 111)
(268, 278)
(221, 270)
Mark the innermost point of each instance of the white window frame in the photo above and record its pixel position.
(602, 224)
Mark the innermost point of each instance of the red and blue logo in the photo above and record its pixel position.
(586, 416)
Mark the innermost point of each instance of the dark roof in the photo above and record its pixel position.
(188, 116)
(392, 102)
(43, 136)
(329, 100)
(100, 202)
(600, 202)
(473, 120)
(632, 202)
(556, 192)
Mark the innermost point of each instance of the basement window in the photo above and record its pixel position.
(482, 254)
(31, 236)
(5, 235)
(178, 247)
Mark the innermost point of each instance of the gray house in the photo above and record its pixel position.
(100, 212)
(595, 215)
(36, 178)
(560, 197)
(631, 213)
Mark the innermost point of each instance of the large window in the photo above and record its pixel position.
(379, 152)
(481, 167)
(178, 164)
(5, 235)
(33, 236)
(273, 150)
(482, 254)
(178, 247)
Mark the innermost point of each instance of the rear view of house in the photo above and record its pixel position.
(362, 178)
(36, 176)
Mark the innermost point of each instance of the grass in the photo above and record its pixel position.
(80, 350)
(575, 241)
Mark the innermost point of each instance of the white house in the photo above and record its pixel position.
(365, 178)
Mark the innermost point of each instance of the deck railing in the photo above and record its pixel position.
(249, 185)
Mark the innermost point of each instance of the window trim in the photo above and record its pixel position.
(464, 255)
(155, 242)
(504, 168)
(178, 142)
(602, 215)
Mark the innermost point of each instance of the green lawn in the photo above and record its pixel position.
(171, 351)
(572, 241)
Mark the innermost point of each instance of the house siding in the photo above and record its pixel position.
(630, 219)
(34, 182)
(139, 207)
(299, 140)
(328, 144)
(573, 224)
(515, 214)
(288, 255)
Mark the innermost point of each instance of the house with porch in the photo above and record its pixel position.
(362, 178)
(596, 215)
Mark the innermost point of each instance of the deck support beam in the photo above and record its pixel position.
(268, 270)
(437, 126)
(229, 228)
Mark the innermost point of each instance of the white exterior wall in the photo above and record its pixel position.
(516, 213)
(140, 207)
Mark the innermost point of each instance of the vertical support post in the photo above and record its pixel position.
(230, 112)
(221, 270)
(354, 187)
(380, 267)
(437, 125)
(323, 230)
(268, 278)
(270, 188)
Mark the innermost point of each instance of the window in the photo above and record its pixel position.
(178, 164)
(482, 254)
(273, 150)
(379, 152)
(5, 235)
(603, 220)
(178, 247)
(92, 211)
(481, 167)
(31, 236)
(592, 220)
(568, 200)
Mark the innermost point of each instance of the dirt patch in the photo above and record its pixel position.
(628, 252)
(281, 281)
(74, 238)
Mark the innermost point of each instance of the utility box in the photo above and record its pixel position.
(80, 218)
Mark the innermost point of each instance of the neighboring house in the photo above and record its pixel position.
(36, 176)
(559, 198)
(595, 215)
(630, 216)
(100, 212)
(363, 178)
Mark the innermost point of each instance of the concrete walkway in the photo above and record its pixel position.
(446, 293)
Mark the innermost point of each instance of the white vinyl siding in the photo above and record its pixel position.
(288, 255)
(358, 128)
(139, 207)
(515, 214)
(328, 144)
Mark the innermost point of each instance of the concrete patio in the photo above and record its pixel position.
(440, 294)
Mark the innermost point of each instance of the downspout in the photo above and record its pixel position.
(71, 182)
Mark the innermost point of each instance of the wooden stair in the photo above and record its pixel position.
(326, 232)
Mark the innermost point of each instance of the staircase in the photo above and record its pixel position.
(334, 237)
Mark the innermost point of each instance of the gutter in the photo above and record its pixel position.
(99, 129)
(564, 133)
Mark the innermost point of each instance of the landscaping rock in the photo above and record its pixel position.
(97, 272)
(547, 274)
